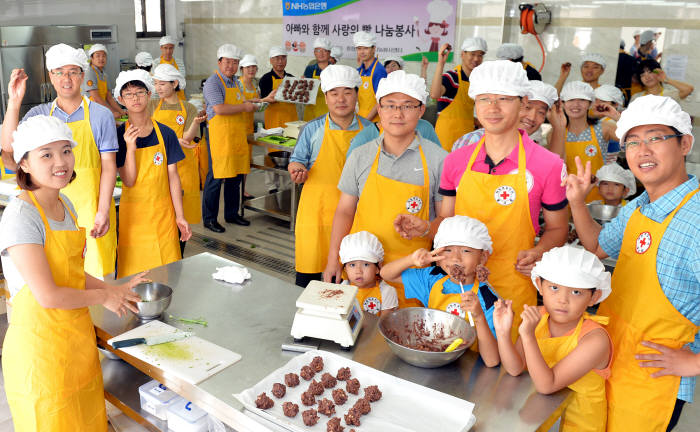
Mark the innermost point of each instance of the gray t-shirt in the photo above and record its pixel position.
(92, 74)
(407, 167)
(21, 224)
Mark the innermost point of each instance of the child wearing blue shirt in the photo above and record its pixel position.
(462, 247)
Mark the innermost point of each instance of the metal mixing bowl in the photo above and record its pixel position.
(280, 158)
(155, 298)
(602, 212)
(402, 320)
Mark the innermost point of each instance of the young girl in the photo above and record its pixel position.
(560, 344)
(614, 184)
(462, 246)
(361, 253)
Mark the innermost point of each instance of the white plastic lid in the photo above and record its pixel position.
(157, 391)
(186, 410)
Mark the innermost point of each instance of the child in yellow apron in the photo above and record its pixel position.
(365, 96)
(361, 254)
(587, 150)
(615, 184)
(462, 247)
(458, 118)
(560, 344)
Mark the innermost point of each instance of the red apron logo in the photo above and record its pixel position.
(365, 85)
(455, 309)
(84, 249)
(414, 204)
(591, 150)
(504, 195)
(179, 119)
(158, 158)
(643, 242)
(371, 305)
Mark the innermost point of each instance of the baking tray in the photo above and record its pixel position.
(404, 406)
(313, 91)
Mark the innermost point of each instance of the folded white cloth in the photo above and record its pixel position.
(232, 274)
(262, 132)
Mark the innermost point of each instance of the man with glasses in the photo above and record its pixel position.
(394, 174)
(654, 307)
(95, 156)
(322, 52)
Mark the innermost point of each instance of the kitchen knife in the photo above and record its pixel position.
(151, 340)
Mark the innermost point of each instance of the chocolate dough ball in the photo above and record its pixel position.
(353, 386)
(291, 379)
(315, 388)
(326, 407)
(343, 374)
(328, 380)
(308, 398)
(333, 425)
(290, 409)
(317, 364)
(263, 401)
(362, 405)
(372, 393)
(307, 373)
(278, 390)
(310, 417)
(339, 396)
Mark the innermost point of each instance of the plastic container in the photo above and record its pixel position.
(184, 416)
(155, 399)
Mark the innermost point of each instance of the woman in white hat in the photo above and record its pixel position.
(144, 61)
(167, 49)
(95, 83)
(322, 52)
(655, 81)
(371, 71)
(53, 379)
(336, 54)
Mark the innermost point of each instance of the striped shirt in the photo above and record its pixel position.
(450, 81)
(215, 92)
(678, 257)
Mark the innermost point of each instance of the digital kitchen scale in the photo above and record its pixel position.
(328, 311)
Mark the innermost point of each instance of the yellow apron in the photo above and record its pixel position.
(3, 174)
(450, 303)
(366, 97)
(101, 86)
(187, 168)
(202, 153)
(84, 193)
(370, 299)
(52, 373)
(230, 154)
(458, 118)
(250, 116)
(501, 202)
(279, 113)
(381, 200)
(639, 310)
(319, 108)
(586, 409)
(148, 235)
(181, 92)
(587, 151)
(319, 198)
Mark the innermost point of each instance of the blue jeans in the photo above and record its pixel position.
(212, 192)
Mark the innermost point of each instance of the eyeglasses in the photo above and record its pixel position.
(71, 73)
(649, 141)
(497, 101)
(402, 108)
(138, 94)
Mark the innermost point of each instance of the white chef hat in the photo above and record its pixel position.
(646, 37)
(61, 55)
(337, 75)
(543, 92)
(96, 47)
(502, 77)
(277, 51)
(167, 40)
(615, 173)
(636, 32)
(132, 75)
(595, 58)
(364, 39)
(577, 90)
(167, 72)
(463, 231)
(395, 58)
(652, 109)
(248, 60)
(475, 44)
(609, 93)
(143, 59)
(324, 43)
(37, 131)
(573, 267)
(361, 246)
(402, 82)
(229, 51)
(509, 51)
(337, 52)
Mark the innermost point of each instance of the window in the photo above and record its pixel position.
(149, 16)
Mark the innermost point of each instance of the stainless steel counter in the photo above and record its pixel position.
(254, 320)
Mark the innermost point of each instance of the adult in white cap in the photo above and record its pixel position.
(504, 180)
(144, 61)
(608, 98)
(317, 161)
(592, 66)
(560, 344)
(251, 90)
(167, 50)
(655, 81)
(393, 63)
(361, 254)
(454, 106)
(371, 71)
(322, 53)
(390, 177)
(229, 153)
(615, 184)
(150, 209)
(654, 309)
(515, 53)
(336, 54)
(53, 379)
(95, 157)
(635, 46)
(647, 46)
(95, 85)
(184, 119)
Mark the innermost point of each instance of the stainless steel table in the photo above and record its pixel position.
(254, 319)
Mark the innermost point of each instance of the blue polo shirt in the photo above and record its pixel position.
(379, 73)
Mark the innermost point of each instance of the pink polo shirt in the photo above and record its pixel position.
(545, 171)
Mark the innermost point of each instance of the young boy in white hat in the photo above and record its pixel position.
(615, 184)
(560, 344)
(361, 254)
(456, 284)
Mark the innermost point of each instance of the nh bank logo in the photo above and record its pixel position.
(306, 6)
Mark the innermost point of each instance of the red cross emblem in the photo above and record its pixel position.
(84, 249)
(504, 195)
(158, 158)
(455, 309)
(179, 119)
(643, 242)
(371, 305)
(414, 204)
(591, 150)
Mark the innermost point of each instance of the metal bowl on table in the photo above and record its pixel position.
(155, 298)
(280, 158)
(442, 326)
(603, 213)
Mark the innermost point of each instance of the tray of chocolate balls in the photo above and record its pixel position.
(298, 90)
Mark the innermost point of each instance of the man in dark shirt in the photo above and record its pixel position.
(515, 53)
